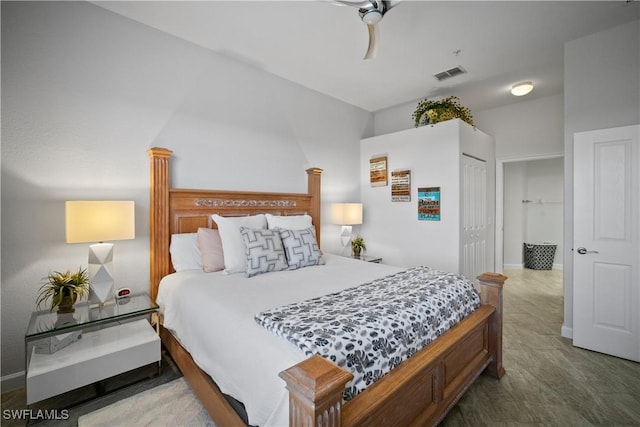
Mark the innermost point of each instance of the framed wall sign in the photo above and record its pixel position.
(401, 185)
(429, 203)
(378, 171)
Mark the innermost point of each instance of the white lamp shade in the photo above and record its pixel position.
(347, 213)
(99, 221)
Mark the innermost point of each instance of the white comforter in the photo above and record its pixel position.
(213, 316)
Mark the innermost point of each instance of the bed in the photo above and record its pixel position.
(419, 391)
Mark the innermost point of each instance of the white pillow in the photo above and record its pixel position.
(289, 222)
(235, 257)
(185, 253)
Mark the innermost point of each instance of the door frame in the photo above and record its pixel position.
(499, 238)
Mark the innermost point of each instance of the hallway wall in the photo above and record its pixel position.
(533, 207)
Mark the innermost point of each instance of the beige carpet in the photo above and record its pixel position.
(171, 404)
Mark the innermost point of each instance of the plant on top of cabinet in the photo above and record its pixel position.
(430, 112)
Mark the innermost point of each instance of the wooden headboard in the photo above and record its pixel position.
(177, 210)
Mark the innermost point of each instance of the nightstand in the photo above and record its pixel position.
(94, 343)
(367, 258)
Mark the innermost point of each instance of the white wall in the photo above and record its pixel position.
(544, 215)
(601, 90)
(526, 129)
(86, 92)
(541, 220)
(432, 153)
(514, 219)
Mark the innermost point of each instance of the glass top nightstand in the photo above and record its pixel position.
(67, 351)
(367, 258)
(47, 323)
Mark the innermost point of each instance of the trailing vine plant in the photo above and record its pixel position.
(430, 112)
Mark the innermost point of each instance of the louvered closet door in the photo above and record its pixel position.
(474, 217)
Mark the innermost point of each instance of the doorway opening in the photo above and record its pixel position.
(529, 209)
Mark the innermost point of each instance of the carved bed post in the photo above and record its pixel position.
(315, 392)
(491, 285)
(160, 264)
(313, 181)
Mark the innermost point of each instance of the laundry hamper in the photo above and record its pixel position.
(539, 256)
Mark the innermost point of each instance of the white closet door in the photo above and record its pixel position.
(474, 217)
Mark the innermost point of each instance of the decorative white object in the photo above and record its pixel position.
(347, 215)
(98, 221)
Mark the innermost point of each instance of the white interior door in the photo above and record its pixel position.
(606, 246)
(474, 217)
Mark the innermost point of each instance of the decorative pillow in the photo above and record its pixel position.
(211, 249)
(235, 259)
(264, 251)
(185, 253)
(301, 248)
(289, 222)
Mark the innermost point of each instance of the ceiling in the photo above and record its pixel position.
(320, 45)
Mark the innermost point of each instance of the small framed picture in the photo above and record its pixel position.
(401, 185)
(429, 203)
(378, 171)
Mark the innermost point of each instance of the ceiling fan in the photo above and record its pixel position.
(371, 12)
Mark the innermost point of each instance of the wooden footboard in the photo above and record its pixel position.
(421, 390)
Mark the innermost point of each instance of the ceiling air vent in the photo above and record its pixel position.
(450, 73)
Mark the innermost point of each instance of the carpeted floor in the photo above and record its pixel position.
(168, 405)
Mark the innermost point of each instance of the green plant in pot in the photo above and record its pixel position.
(430, 112)
(64, 289)
(358, 245)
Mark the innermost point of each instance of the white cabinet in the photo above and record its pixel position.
(461, 161)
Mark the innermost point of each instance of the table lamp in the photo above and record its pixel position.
(346, 215)
(100, 221)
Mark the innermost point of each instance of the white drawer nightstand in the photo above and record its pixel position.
(116, 337)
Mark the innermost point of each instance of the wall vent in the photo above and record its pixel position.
(450, 73)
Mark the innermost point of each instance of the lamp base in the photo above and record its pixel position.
(345, 235)
(101, 272)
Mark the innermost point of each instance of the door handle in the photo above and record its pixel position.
(583, 251)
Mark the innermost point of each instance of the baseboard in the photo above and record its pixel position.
(566, 332)
(521, 266)
(513, 266)
(12, 381)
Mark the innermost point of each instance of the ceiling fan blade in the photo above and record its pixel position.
(374, 35)
(358, 4)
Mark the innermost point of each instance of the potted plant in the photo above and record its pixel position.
(63, 289)
(435, 111)
(358, 245)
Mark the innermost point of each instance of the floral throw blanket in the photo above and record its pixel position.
(371, 328)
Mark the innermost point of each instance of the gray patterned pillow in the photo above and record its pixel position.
(264, 251)
(301, 248)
